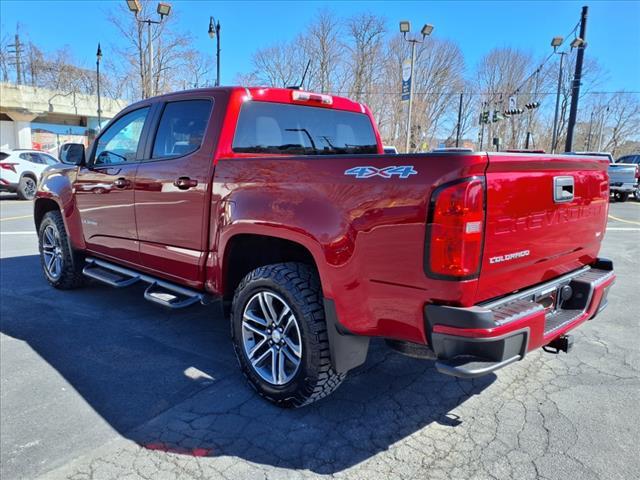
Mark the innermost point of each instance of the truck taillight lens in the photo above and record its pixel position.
(455, 230)
(9, 166)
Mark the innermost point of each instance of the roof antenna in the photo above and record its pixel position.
(304, 75)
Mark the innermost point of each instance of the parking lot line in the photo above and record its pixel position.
(623, 220)
(624, 229)
(21, 217)
(23, 233)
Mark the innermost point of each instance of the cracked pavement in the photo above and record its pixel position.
(98, 384)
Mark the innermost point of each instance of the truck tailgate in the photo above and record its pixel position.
(620, 173)
(545, 216)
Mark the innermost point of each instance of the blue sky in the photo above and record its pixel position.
(613, 31)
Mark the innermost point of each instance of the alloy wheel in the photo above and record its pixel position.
(52, 252)
(271, 338)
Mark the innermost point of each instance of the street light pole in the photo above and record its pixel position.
(413, 60)
(163, 10)
(98, 58)
(214, 31)
(554, 139)
(405, 27)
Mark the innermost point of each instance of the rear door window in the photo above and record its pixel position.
(181, 128)
(265, 127)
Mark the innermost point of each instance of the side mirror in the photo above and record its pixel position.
(72, 154)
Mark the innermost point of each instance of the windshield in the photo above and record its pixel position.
(265, 127)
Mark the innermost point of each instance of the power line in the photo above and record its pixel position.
(467, 92)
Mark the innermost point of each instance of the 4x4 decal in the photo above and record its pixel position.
(367, 172)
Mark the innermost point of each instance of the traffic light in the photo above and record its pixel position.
(484, 118)
(532, 105)
(497, 116)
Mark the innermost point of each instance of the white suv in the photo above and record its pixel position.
(20, 171)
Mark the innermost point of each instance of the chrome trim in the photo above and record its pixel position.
(559, 194)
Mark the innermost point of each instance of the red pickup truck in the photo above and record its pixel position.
(282, 204)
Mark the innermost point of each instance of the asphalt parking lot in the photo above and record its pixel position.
(99, 384)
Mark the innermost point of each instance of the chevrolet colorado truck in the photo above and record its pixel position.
(281, 204)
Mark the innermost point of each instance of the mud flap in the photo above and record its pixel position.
(348, 351)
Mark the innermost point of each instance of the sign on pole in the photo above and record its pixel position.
(406, 80)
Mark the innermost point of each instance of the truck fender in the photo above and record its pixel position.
(56, 187)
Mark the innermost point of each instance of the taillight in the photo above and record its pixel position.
(455, 230)
(9, 166)
(637, 171)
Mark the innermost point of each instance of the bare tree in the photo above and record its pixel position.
(365, 42)
(323, 47)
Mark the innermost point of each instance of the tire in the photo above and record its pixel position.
(295, 286)
(27, 188)
(621, 196)
(61, 268)
(637, 194)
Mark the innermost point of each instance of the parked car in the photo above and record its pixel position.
(633, 159)
(20, 171)
(390, 149)
(282, 205)
(623, 178)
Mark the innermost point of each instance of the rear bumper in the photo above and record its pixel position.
(471, 342)
(6, 186)
(623, 187)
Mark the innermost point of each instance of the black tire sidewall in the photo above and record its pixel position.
(308, 371)
(71, 276)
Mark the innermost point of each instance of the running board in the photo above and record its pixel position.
(159, 291)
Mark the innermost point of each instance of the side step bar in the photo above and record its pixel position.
(159, 291)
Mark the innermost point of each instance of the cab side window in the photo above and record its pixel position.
(119, 143)
(181, 129)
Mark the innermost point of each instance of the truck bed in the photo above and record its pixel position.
(370, 224)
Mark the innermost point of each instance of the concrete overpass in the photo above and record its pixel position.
(22, 105)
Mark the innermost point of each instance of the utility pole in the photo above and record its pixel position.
(17, 51)
(459, 121)
(577, 78)
(588, 139)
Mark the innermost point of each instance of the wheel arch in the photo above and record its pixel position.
(244, 252)
(40, 208)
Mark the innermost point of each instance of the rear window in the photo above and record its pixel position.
(300, 130)
(3, 155)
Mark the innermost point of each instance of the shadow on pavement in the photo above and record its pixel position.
(169, 381)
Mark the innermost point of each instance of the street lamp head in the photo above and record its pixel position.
(134, 6)
(99, 52)
(426, 30)
(577, 43)
(212, 30)
(164, 9)
(405, 26)
(556, 42)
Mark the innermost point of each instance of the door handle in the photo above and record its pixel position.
(121, 183)
(185, 183)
